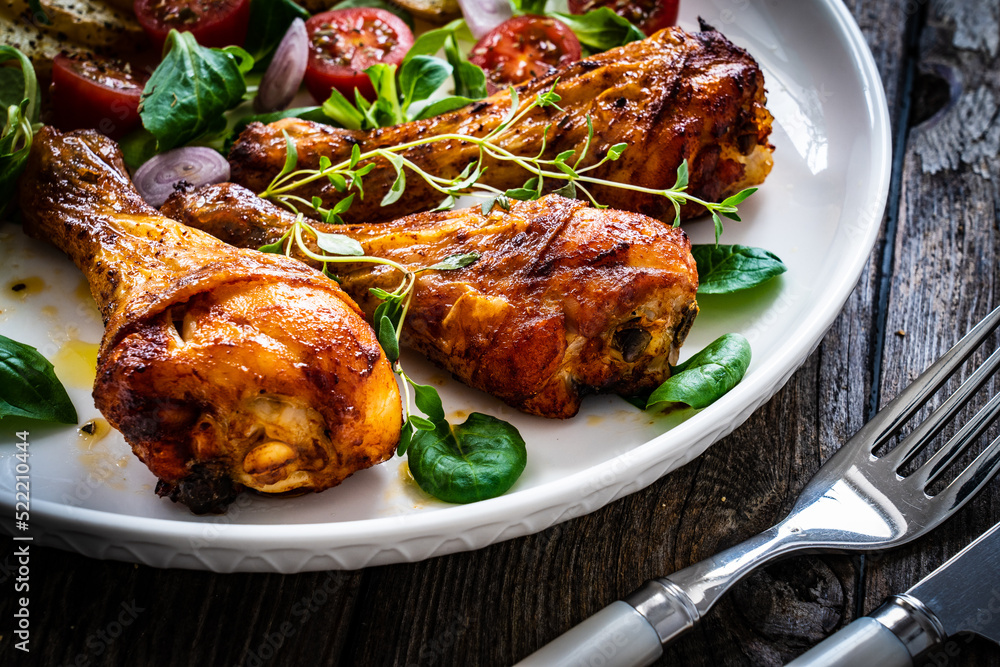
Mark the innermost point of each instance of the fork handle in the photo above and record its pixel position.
(616, 636)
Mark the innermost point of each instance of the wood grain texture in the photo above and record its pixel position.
(495, 605)
(948, 212)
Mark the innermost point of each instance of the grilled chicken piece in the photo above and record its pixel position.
(223, 368)
(673, 96)
(564, 300)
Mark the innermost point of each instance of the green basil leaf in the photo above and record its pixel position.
(601, 29)
(338, 244)
(378, 4)
(454, 262)
(428, 401)
(29, 386)
(479, 459)
(730, 268)
(269, 21)
(190, 90)
(420, 77)
(706, 376)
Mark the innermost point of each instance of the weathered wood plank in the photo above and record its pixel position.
(946, 276)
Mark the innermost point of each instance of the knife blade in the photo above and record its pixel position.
(963, 595)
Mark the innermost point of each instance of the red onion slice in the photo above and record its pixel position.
(179, 169)
(484, 15)
(284, 75)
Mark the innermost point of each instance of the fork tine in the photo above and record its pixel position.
(931, 471)
(905, 451)
(901, 408)
(972, 479)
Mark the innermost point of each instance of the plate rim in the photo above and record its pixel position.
(386, 534)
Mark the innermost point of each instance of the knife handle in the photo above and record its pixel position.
(863, 642)
(616, 636)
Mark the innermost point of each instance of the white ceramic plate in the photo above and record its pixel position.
(819, 211)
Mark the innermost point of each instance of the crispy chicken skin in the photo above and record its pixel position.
(223, 368)
(673, 96)
(564, 300)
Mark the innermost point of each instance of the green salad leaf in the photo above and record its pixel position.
(529, 6)
(20, 103)
(29, 386)
(478, 459)
(398, 99)
(269, 21)
(730, 268)
(706, 376)
(191, 89)
(601, 29)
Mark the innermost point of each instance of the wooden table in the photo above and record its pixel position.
(934, 272)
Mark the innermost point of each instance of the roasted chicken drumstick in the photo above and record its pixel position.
(671, 97)
(564, 299)
(223, 368)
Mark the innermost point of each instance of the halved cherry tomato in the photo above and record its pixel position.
(523, 48)
(212, 22)
(343, 43)
(95, 93)
(648, 15)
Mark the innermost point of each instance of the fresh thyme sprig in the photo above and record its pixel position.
(390, 314)
(347, 175)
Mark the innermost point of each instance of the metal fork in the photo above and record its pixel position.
(856, 502)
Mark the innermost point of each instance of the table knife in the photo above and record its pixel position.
(963, 595)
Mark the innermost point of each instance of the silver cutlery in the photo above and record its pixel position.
(857, 501)
(963, 595)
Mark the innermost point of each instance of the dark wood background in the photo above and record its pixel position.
(934, 272)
